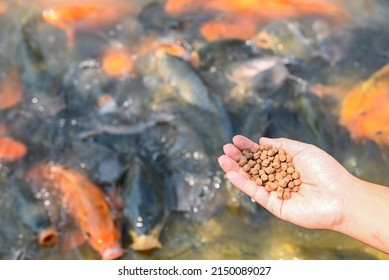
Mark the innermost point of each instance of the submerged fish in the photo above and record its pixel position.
(86, 203)
(11, 150)
(11, 92)
(184, 161)
(33, 214)
(187, 85)
(263, 74)
(269, 10)
(145, 206)
(117, 61)
(365, 109)
(287, 38)
(71, 17)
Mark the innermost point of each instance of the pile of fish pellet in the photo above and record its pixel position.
(271, 168)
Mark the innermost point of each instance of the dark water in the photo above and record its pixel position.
(61, 118)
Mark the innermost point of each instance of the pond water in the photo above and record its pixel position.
(113, 114)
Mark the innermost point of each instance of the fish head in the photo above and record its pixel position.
(105, 241)
(145, 242)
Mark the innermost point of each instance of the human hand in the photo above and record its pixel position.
(320, 202)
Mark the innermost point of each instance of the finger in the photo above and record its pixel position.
(228, 164)
(232, 151)
(243, 143)
(259, 194)
(292, 147)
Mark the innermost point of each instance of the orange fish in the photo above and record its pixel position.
(75, 16)
(11, 150)
(241, 18)
(11, 92)
(243, 28)
(117, 61)
(272, 9)
(86, 203)
(365, 109)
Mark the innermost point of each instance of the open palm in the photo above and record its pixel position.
(320, 200)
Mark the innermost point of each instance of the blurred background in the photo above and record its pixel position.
(113, 115)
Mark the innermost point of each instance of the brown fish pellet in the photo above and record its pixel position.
(276, 164)
(265, 163)
(297, 182)
(246, 168)
(273, 186)
(280, 193)
(287, 194)
(242, 161)
(247, 154)
(272, 169)
(257, 155)
(296, 175)
(254, 171)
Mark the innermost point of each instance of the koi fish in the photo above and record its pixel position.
(86, 203)
(240, 19)
(33, 214)
(11, 92)
(270, 9)
(72, 16)
(117, 61)
(11, 150)
(365, 109)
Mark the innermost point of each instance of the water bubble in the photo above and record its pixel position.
(197, 155)
(248, 43)
(139, 225)
(187, 155)
(34, 100)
